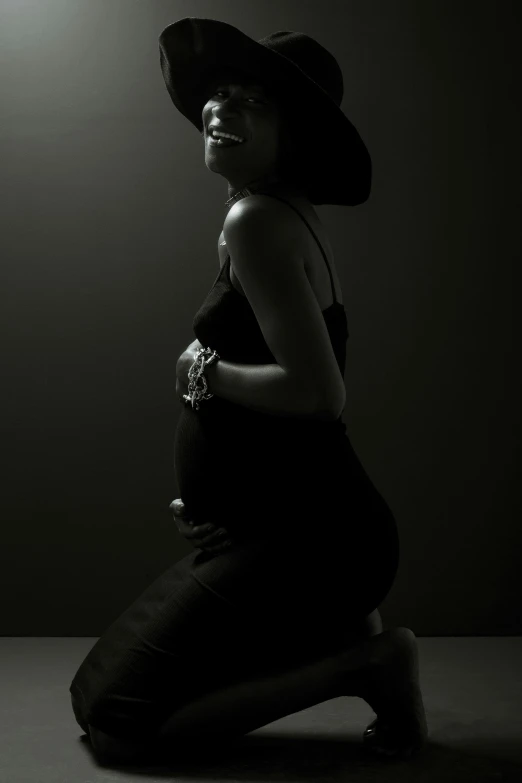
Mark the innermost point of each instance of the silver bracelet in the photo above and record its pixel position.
(198, 385)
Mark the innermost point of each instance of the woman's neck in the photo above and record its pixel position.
(271, 184)
(254, 185)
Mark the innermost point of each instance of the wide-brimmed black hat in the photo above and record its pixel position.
(335, 165)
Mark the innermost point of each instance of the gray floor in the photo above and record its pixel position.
(472, 690)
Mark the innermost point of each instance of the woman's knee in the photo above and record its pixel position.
(78, 714)
(116, 750)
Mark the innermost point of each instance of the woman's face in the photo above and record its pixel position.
(249, 111)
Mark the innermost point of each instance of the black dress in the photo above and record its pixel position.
(316, 546)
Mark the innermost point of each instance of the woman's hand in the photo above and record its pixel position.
(183, 365)
(186, 360)
(181, 389)
(204, 536)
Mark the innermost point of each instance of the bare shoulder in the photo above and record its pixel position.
(256, 203)
(265, 213)
(309, 246)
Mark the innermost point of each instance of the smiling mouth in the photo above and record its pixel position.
(224, 142)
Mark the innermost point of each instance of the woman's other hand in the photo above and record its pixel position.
(202, 536)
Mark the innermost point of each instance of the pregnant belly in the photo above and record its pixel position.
(196, 465)
(226, 465)
(235, 472)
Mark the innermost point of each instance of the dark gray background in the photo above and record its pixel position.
(109, 231)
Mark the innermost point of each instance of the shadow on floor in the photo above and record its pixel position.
(297, 758)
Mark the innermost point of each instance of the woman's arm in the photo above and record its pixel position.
(266, 388)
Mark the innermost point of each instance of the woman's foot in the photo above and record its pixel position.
(384, 671)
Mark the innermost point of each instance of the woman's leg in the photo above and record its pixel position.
(382, 669)
(245, 706)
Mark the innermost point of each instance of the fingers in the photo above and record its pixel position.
(205, 535)
(186, 525)
(217, 538)
(178, 508)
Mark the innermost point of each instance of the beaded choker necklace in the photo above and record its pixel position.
(237, 196)
(250, 190)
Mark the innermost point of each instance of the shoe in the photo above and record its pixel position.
(382, 739)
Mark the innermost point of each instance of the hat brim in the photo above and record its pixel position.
(194, 50)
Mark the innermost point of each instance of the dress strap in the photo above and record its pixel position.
(314, 235)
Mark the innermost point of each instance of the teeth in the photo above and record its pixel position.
(217, 134)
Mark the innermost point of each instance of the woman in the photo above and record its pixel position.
(282, 614)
